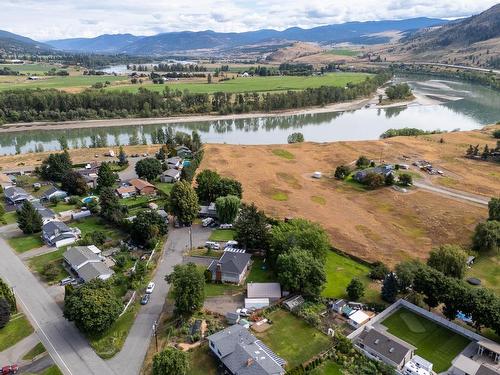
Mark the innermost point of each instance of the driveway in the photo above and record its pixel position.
(453, 194)
(129, 172)
(223, 304)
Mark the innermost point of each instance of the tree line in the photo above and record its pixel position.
(53, 105)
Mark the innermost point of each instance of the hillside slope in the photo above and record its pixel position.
(13, 43)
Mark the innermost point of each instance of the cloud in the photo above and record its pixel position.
(57, 19)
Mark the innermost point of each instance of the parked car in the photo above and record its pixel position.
(243, 312)
(150, 288)
(226, 226)
(177, 223)
(10, 369)
(145, 299)
(212, 245)
(231, 243)
(207, 221)
(66, 281)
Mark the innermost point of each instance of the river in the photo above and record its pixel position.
(472, 107)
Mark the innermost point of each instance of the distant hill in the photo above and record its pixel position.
(13, 43)
(166, 43)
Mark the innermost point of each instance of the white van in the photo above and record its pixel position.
(212, 245)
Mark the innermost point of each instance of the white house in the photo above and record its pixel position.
(56, 233)
(87, 263)
(357, 319)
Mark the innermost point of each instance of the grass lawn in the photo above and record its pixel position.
(165, 187)
(328, 368)
(283, 154)
(36, 350)
(8, 218)
(61, 206)
(52, 370)
(435, 343)
(56, 82)
(17, 329)
(254, 84)
(259, 273)
(293, 339)
(222, 235)
(38, 263)
(111, 341)
(26, 242)
(95, 224)
(487, 269)
(214, 290)
(141, 199)
(201, 362)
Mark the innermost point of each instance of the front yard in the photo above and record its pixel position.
(8, 218)
(17, 329)
(293, 339)
(222, 235)
(25, 242)
(39, 263)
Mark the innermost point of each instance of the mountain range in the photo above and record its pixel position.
(13, 43)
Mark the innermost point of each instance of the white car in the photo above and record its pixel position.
(206, 222)
(212, 245)
(243, 312)
(231, 243)
(226, 226)
(150, 288)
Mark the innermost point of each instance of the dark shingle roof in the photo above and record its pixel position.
(231, 262)
(53, 226)
(385, 344)
(94, 270)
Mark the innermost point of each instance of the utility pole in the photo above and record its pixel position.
(191, 237)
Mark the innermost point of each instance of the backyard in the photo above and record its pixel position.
(328, 368)
(487, 269)
(201, 362)
(95, 224)
(222, 235)
(293, 339)
(435, 343)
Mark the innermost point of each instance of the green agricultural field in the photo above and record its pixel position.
(56, 82)
(29, 68)
(255, 84)
(288, 335)
(26, 242)
(343, 52)
(435, 343)
(17, 329)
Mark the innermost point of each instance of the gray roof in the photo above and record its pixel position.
(162, 213)
(51, 190)
(171, 173)
(231, 262)
(52, 227)
(385, 344)
(14, 191)
(77, 255)
(264, 290)
(174, 160)
(382, 169)
(243, 354)
(94, 270)
(486, 370)
(45, 213)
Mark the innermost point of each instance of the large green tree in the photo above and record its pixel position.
(251, 228)
(355, 290)
(147, 228)
(93, 307)
(183, 202)
(299, 271)
(390, 288)
(105, 176)
(227, 208)
(111, 210)
(55, 166)
(74, 184)
(207, 185)
(28, 219)
(486, 237)
(298, 233)
(7, 294)
(449, 259)
(229, 186)
(4, 312)
(170, 361)
(188, 288)
(405, 272)
(148, 168)
(494, 209)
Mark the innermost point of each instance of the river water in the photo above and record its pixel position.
(472, 107)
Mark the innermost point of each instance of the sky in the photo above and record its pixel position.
(59, 19)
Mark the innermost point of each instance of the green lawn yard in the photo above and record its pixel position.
(201, 362)
(222, 235)
(35, 351)
(328, 368)
(258, 274)
(435, 343)
(38, 263)
(8, 218)
(95, 224)
(214, 290)
(254, 84)
(165, 187)
(61, 206)
(293, 339)
(17, 329)
(26, 242)
(487, 269)
(137, 200)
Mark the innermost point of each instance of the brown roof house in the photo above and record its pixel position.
(143, 187)
(126, 191)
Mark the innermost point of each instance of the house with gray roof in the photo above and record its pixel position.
(53, 193)
(56, 233)
(171, 175)
(16, 195)
(87, 263)
(385, 347)
(383, 170)
(46, 213)
(242, 353)
(230, 268)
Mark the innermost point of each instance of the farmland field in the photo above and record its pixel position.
(29, 68)
(255, 84)
(435, 343)
(55, 82)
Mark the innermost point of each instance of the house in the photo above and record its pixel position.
(5, 180)
(337, 306)
(357, 319)
(230, 268)
(174, 162)
(143, 187)
(184, 152)
(272, 291)
(89, 174)
(208, 211)
(53, 193)
(56, 233)
(242, 353)
(383, 170)
(87, 263)
(126, 191)
(16, 195)
(385, 347)
(46, 213)
(170, 175)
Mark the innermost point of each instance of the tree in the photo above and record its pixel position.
(449, 259)
(188, 288)
(390, 288)
(355, 290)
(494, 209)
(73, 183)
(162, 153)
(389, 179)
(93, 307)
(373, 180)
(122, 157)
(170, 361)
(7, 294)
(299, 233)
(398, 91)
(207, 185)
(342, 171)
(486, 237)
(229, 186)
(28, 219)
(362, 162)
(195, 141)
(2, 211)
(379, 271)
(148, 168)
(251, 228)
(105, 176)
(299, 271)
(405, 179)
(4, 312)
(183, 202)
(227, 208)
(295, 138)
(405, 273)
(147, 227)
(111, 210)
(56, 166)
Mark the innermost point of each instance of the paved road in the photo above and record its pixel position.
(454, 194)
(129, 360)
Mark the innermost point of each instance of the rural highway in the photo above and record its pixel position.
(454, 194)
